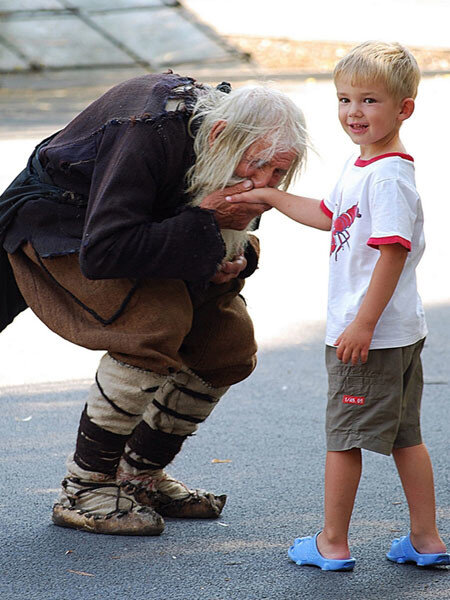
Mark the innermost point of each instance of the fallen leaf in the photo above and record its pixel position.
(395, 503)
(81, 573)
(69, 551)
(221, 460)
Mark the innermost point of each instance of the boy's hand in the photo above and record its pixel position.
(233, 215)
(303, 210)
(353, 343)
(255, 196)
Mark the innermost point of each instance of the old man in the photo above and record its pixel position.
(119, 238)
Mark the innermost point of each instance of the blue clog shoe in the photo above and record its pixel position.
(305, 552)
(402, 551)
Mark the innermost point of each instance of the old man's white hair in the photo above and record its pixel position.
(252, 113)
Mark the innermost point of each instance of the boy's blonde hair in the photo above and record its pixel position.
(389, 63)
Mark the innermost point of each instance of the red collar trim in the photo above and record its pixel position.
(363, 163)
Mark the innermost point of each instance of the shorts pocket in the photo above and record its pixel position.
(364, 404)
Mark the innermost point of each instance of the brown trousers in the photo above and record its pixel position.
(153, 325)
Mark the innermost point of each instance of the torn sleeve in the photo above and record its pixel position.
(129, 232)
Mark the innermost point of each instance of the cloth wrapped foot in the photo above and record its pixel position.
(169, 497)
(104, 507)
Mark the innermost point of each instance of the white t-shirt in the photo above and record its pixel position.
(375, 202)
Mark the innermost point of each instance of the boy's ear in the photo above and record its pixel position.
(406, 108)
(216, 130)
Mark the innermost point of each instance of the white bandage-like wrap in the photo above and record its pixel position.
(114, 408)
(120, 394)
(181, 403)
(179, 406)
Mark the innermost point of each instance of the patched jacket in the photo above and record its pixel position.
(110, 186)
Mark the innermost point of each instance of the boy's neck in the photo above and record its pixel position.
(387, 146)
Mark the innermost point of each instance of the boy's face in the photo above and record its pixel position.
(369, 115)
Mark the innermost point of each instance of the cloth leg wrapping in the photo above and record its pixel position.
(97, 450)
(151, 449)
(115, 406)
(177, 408)
(182, 403)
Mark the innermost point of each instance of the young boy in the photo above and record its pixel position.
(375, 326)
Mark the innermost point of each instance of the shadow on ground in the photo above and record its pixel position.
(271, 429)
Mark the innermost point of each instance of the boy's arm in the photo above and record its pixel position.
(354, 341)
(299, 208)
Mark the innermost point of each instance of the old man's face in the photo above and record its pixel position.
(264, 173)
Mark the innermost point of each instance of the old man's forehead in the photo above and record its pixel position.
(262, 156)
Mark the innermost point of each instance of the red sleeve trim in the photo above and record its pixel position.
(394, 239)
(326, 210)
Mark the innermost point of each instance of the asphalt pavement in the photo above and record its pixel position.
(270, 430)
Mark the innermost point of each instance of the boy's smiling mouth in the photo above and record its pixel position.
(357, 127)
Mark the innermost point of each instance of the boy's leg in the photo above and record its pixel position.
(412, 458)
(416, 474)
(342, 475)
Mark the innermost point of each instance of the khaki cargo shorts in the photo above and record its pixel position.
(375, 405)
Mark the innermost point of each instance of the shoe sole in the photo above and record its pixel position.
(195, 506)
(142, 522)
(324, 566)
(402, 560)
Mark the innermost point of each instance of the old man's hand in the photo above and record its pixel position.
(236, 215)
(229, 269)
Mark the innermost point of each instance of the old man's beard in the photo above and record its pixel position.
(235, 240)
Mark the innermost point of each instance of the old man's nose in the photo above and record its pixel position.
(263, 177)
